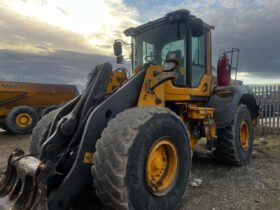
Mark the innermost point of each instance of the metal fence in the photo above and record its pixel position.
(269, 98)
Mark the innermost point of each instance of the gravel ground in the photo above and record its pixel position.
(255, 186)
(8, 143)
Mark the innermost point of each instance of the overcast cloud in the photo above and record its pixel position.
(58, 67)
(25, 34)
(59, 41)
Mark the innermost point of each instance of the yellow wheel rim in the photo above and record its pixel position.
(161, 166)
(24, 120)
(244, 135)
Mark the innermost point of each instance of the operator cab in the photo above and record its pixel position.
(178, 36)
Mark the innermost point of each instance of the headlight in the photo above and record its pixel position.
(169, 65)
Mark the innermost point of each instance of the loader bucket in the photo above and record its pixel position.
(24, 185)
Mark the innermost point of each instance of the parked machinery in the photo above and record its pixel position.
(133, 138)
(22, 104)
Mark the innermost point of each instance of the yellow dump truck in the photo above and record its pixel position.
(22, 104)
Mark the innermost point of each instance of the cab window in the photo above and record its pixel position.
(148, 51)
(160, 43)
(177, 50)
(198, 60)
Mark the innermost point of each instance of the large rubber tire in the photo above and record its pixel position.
(120, 159)
(48, 109)
(229, 148)
(11, 120)
(40, 132)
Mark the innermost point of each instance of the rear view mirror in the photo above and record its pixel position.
(197, 28)
(117, 48)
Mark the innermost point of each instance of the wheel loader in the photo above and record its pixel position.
(131, 140)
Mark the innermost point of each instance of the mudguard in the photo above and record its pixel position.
(225, 101)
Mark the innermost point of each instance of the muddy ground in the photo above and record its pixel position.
(255, 186)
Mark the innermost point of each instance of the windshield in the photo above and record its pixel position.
(156, 45)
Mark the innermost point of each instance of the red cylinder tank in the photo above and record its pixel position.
(223, 70)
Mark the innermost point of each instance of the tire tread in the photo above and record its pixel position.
(226, 150)
(40, 132)
(112, 154)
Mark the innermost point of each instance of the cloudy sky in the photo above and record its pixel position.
(59, 41)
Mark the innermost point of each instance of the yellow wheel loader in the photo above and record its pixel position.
(130, 140)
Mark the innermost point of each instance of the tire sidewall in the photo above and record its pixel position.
(243, 115)
(140, 196)
(41, 131)
(48, 109)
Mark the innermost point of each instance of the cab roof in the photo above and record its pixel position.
(178, 15)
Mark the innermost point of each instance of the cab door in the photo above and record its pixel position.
(200, 77)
